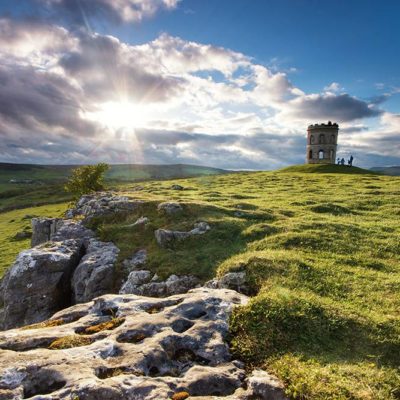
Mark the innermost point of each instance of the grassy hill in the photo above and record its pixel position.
(34, 184)
(322, 253)
(394, 171)
(327, 169)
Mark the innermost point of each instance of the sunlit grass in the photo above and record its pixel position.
(322, 253)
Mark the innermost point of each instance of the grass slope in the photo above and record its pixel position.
(322, 253)
(17, 221)
(48, 180)
(395, 170)
(327, 169)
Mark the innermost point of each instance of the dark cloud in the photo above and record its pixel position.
(341, 107)
(29, 98)
(108, 71)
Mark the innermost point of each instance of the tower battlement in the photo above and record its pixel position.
(322, 143)
(330, 125)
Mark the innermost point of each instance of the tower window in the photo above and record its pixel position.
(333, 139)
(310, 155)
(322, 139)
(321, 154)
(312, 139)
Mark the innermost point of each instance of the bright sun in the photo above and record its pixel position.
(121, 115)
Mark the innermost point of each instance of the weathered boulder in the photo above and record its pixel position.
(265, 386)
(71, 229)
(177, 187)
(135, 279)
(38, 284)
(43, 229)
(57, 230)
(145, 283)
(136, 261)
(102, 203)
(167, 238)
(94, 276)
(126, 347)
(169, 208)
(232, 280)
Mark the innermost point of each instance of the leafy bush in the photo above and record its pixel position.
(86, 179)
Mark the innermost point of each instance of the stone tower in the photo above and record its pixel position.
(322, 143)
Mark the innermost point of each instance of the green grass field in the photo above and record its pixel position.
(321, 249)
(48, 180)
(16, 221)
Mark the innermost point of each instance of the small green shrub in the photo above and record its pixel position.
(86, 179)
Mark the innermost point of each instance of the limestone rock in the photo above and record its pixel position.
(167, 238)
(43, 229)
(140, 221)
(71, 229)
(266, 386)
(102, 203)
(57, 230)
(38, 284)
(135, 278)
(170, 208)
(232, 280)
(158, 347)
(94, 276)
(136, 261)
(177, 187)
(142, 283)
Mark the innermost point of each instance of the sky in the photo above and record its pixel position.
(224, 83)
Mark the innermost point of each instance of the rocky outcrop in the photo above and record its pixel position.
(136, 261)
(128, 347)
(71, 229)
(177, 187)
(94, 276)
(145, 283)
(43, 229)
(70, 267)
(232, 280)
(169, 208)
(102, 203)
(57, 229)
(167, 238)
(38, 284)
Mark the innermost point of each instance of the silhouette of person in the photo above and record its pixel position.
(342, 161)
(351, 161)
(338, 160)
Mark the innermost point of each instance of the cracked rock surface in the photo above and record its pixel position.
(38, 283)
(126, 347)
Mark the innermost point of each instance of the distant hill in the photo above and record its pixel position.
(394, 171)
(32, 173)
(327, 169)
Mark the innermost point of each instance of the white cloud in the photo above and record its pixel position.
(79, 97)
(119, 10)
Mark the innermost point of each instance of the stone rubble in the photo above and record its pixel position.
(144, 283)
